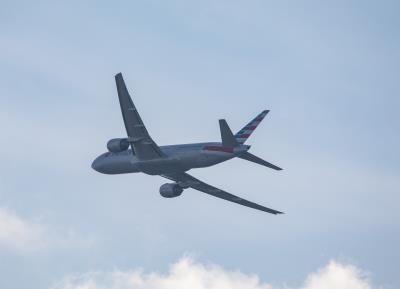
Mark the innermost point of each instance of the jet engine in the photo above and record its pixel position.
(117, 145)
(170, 190)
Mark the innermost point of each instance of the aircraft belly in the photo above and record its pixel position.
(161, 166)
(211, 159)
(205, 159)
(180, 161)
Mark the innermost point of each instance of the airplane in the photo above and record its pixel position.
(139, 153)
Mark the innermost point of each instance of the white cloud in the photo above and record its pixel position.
(19, 233)
(337, 276)
(187, 273)
(22, 234)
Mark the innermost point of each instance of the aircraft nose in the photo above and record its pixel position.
(97, 164)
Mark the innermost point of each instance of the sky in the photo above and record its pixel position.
(327, 70)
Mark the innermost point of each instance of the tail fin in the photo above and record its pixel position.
(252, 158)
(246, 131)
(227, 137)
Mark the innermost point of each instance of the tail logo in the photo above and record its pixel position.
(246, 131)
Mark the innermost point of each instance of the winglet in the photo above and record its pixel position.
(227, 137)
(121, 87)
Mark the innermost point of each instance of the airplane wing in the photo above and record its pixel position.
(186, 180)
(145, 148)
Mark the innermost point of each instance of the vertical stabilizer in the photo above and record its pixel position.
(246, 131)
(227, 137)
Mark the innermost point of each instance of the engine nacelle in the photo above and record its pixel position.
(170, 190)
(117, 145)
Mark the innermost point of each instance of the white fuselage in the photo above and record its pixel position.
(178, 158)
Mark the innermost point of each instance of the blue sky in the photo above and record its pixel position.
(328, 71)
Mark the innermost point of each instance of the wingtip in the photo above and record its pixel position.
(119, 74)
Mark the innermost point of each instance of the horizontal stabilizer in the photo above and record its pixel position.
(252, 158)
(228, 139)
